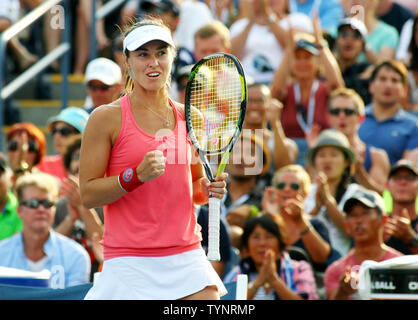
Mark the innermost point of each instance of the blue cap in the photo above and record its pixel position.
(73, 116)
(308, 46)
(369, 198)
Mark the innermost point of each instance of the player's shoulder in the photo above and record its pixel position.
(107, 111)
(110, 107)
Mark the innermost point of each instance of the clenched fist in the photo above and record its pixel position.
(152, 166)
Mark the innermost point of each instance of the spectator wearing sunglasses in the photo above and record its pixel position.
(69, 122)
(103, 82)
(346, 111)
(333, 161)
(10, 223)
(26, 147)
(382, 38)
(39, 247)
(285, 198)
(350, 43)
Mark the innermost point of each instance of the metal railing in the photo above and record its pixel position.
(62, 51)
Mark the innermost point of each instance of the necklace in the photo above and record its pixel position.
(167, 122)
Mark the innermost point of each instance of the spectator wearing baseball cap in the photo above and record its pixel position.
(350, 42)
(382, 38)
(364, 221)
(103, 81)
(69, 122)
(401, 229)
(299, 85)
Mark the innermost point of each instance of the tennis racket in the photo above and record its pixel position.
(215, 104)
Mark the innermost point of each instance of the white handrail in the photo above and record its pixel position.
(17, 83)
(28, 19)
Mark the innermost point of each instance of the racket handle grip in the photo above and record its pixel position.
(214, 229)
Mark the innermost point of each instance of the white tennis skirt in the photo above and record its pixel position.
(155, 278)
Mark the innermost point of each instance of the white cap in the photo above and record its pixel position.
(104, 70)
(355, 24)
(299, 21)
(145, 34)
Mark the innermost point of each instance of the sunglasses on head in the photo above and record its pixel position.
(347, 112)
(13, 145)
(35, 203)
(100, 87)
(293, 185)
(64, 131)
(348, 34)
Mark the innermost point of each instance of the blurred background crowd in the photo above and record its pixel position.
(324, 177)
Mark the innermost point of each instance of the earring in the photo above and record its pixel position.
(130, 74)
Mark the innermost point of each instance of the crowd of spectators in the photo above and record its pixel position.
(324, 177)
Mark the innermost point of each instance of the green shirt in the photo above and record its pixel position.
(10, 222)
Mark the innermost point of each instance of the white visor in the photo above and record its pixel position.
(145, 34)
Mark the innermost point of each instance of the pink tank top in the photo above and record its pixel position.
(157, 218)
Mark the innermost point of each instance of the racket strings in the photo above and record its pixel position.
(216, 94)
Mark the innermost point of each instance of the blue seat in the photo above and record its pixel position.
(237, 290)
(11, 292)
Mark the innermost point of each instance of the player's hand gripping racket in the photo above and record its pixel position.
(215, 103)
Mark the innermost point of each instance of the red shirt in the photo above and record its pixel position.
(290, 124)
(336, 269)
(53, 165)
(157, 218)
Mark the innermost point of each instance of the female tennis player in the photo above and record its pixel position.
(137, 162)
